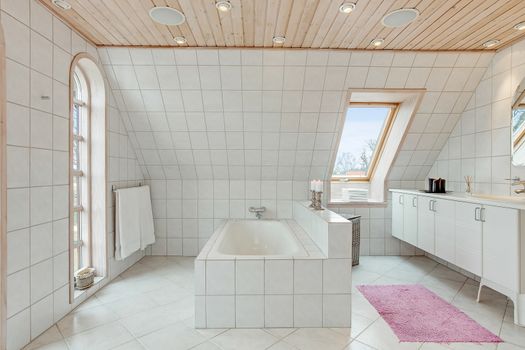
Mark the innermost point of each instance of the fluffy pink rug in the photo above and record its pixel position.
(415, 314)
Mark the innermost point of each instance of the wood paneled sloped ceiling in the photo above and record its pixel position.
(442, 24)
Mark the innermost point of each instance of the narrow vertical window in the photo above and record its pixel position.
(80, 170)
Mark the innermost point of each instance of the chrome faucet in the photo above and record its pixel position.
(258, 211)
(516, 181)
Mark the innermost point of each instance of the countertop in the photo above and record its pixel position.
(498, 201)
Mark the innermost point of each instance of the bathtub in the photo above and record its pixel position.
(273, 273)
(257, 238)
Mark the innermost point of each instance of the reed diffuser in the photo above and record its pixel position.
(468, 184)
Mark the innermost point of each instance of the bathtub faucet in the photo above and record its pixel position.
(258, 211)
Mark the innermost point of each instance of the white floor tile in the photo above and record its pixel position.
(317, 338)
(151, 306)
(238, 339)
(103, 337)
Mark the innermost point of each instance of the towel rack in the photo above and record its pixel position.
(114, 188)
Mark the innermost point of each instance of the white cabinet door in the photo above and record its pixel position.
(425, 219)
(468, 237)
(410, 219)
(397, 215)
(500, 246)
(445, 217)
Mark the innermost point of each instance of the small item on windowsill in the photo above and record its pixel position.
(468, 184)
(84, 278)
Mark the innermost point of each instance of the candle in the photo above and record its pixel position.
(319, 186)
(312, 185)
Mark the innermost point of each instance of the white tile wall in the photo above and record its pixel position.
(479, 144)
(39, 49)
(251, 117)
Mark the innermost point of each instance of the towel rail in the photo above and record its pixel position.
(114, 188)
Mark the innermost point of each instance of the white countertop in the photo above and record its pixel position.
(326, 214)
(498, 201)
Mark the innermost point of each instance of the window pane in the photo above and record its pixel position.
(76, 119)
(76, 155)
(76, 191)
(518, 119)
(76, 259)
(361, 133)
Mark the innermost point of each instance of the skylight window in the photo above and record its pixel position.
(362, 139)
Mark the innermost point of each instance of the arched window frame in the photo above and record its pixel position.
(81, 171)
(93, 107)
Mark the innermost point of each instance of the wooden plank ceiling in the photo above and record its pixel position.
(442, 25)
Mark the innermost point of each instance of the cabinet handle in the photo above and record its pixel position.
(401, 199)
(414, 202)
(482, 214)
(430, 205)
(477, 214)
(434, 206)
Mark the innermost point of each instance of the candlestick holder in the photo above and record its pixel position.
(312, 204)
(317, 202)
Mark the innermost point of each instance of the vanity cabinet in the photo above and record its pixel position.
(445, 229)
(426, 229)
(398, 215)
(468, 230)
(501, 233)
(405, 217)
(410, 219)
(483, 237)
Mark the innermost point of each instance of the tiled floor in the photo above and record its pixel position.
(151, 307)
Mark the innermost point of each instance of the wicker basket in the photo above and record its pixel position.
(84, 278)
(356, 238)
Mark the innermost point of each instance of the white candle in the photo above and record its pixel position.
(312, 185)
(319, 186)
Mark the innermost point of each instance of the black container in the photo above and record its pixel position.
(437, 185)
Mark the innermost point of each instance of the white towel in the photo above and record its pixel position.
(147, 229)
(127, 223)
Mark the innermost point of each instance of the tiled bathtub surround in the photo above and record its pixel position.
(256, 292)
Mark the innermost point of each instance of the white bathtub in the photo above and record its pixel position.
(247, 274)
(257, 238)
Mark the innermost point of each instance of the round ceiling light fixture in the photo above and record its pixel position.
(223, 5)
(180, 40)
(278, 39)
(61, 4)
(520, 26)
(167, 16)
(491, 43)
(377, 42)
(347, 7)
(399, 18)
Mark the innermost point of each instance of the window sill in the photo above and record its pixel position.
(357, 204)
(78, 293)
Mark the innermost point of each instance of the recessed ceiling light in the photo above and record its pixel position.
(279, 39)
(491, 43)
(61, 4)
(223, 6)
(167, 16)
(377, 42)
(520, 26)
(347, 7)
(180, 40)
(399, 18)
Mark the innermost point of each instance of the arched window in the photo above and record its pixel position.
(80, 171)
(87, 169)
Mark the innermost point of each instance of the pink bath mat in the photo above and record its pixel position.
(415, 314)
